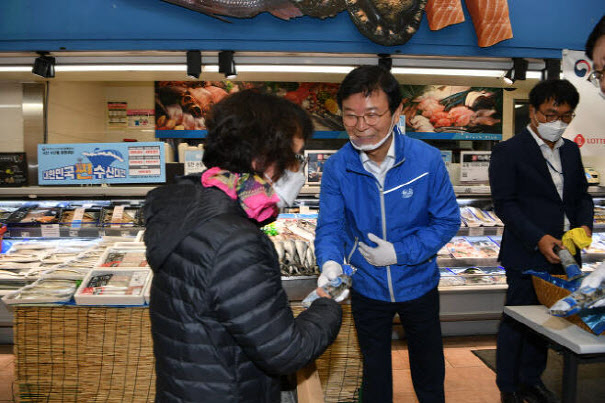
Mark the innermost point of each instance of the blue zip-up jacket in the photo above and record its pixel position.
(416, 211)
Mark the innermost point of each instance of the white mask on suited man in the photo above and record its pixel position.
(288, 186)
(552, 131)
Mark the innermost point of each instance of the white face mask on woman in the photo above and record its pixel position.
(552, 131)
(288, 186)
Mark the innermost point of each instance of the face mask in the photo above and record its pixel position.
(372, 147)
(552, 131)
(288, 186)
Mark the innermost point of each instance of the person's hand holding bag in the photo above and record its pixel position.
(382, 255)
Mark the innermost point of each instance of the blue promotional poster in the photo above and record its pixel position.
(101, 163)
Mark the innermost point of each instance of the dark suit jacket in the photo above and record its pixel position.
(526, 199)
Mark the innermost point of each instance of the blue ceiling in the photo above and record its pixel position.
(541, 29)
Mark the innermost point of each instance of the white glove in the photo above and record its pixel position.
(382, 255)
(329, 271)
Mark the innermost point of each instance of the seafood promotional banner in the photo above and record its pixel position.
(431, 112)
(181, 106)
(587, 129)
(452, 112)
(101, 163)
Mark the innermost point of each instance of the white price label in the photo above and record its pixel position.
(476, 231)
(116, 216)
(50, 231)
(76, 221)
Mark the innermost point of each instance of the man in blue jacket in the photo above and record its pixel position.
(386, 207)
(539, 191)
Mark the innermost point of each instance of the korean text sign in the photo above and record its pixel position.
(98, 163)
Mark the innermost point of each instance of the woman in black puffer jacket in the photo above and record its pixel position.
(222, 327)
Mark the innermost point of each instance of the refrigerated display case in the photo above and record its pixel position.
(472, 286)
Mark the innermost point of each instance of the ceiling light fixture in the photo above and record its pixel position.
(385, 61)
(44, 65)
(194, 63)
(552, 69)
(212, 67)
(508, 77)
(226, 64)
(517, 72)
(119, 67)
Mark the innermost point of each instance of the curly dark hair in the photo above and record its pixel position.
(250, 125)
(367, 79)
(597, 32)
(560, 91)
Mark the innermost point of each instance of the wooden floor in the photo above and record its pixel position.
(467, 379)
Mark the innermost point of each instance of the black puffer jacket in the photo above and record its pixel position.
(220, 319)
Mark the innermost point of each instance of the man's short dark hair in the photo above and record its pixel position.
(561, 91)
(597, 32)
(250, 125)
(366, 80)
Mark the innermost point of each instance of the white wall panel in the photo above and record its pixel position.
(11, 117)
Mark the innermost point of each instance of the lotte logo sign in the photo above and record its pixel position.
(579, 140)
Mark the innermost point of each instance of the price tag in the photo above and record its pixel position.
(51, 231)
(474, 167)
(76, 222)
(116, 216)
(193, 162)
(304, 209)
(476, 231)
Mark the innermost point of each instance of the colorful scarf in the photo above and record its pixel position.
(255, 194)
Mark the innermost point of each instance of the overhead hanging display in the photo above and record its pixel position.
(452, 112)
(384, 22)
(181, 106)
(431, 112)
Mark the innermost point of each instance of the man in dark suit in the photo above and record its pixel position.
(539, 191)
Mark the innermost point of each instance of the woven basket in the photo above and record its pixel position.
(548, 294)
(83, 354)
(340, 367)
(103, 354)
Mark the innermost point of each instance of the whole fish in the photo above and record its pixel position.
(320, 8)
(283, 9)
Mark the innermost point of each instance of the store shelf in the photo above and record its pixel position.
(35, 192)
(466, 262)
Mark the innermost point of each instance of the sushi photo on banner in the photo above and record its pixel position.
(181, 106)
(452, 112)
(587, 129)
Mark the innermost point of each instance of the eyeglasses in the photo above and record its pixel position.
(369, 118)
(302, 160)
(551, 117)
(596, 76)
